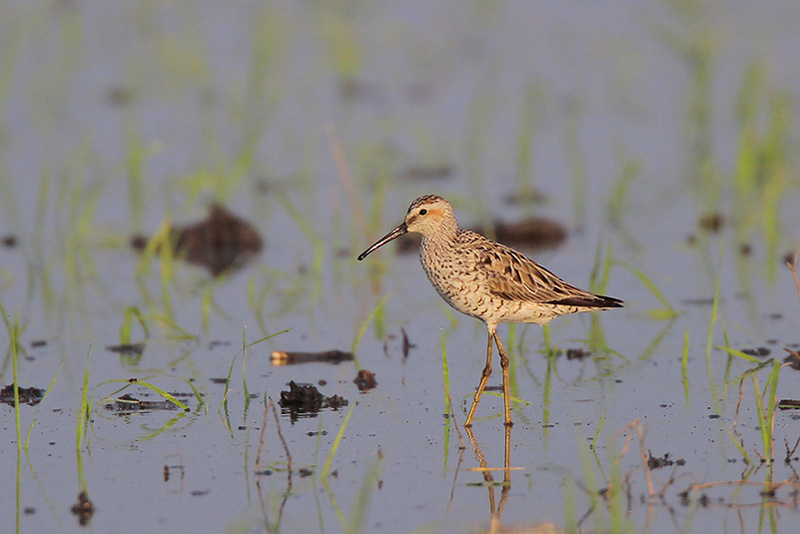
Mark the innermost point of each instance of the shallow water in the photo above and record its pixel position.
(117, 119)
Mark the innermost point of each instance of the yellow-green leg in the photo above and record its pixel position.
(504, 366)
(487, 372)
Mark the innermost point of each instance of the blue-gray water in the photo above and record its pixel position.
(247, 104)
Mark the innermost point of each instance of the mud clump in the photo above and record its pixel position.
(365, 380)
(758, 352)
(84, 509)
(577, 354)
(305, 400)
(30, 396)
(221, 243)
(127, 349)
(663, 461)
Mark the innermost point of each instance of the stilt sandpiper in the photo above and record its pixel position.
(488, 280)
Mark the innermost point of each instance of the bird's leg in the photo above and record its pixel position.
(504, 367)
(487, 372)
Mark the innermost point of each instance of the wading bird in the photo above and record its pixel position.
(487, 280)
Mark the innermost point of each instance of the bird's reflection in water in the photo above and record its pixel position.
(495, 506)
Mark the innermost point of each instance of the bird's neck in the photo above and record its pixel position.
(444, 236)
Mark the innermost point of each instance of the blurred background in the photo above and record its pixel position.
(181, 179)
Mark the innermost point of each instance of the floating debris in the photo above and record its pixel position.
(407, 345)
(84, 509)
(38, 343)
(279, 357)
(128, 404)
(759, 352)
(577, 354)
(30, 396)
(365, 380)
(219, 380)
(664, 461)
(127, 349)
(789, 404)
(221, 243)
(305, 400)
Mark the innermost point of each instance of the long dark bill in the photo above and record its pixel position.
(394, 234)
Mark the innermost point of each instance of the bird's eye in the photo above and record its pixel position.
(423, 211)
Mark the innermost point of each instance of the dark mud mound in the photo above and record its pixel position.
(84, 509)
(305, 400)
(365, 380)
(31, 396)
(221, 243)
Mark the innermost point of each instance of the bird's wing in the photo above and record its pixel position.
(512, 276)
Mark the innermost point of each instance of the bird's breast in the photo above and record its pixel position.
(459, 280)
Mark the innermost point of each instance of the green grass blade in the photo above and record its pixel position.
(83, 411)
(358, 514)
(132, 312)
(224, 403)
(36, 413)
(712, 323)
(766, 434)
(446, 378)
(336, 442)
(685, 366)
(739, 354)
(668, 312)
(14, 334)
(182, 332)
(599, 427)
(244, 367)
(167, 396)
(378, 307)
